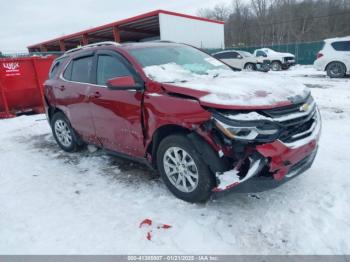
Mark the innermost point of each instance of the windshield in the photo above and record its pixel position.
(245, 54)
(177, 59)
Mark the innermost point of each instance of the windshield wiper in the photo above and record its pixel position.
(173, 82)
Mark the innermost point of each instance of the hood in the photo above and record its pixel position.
(234, 90)
(274, 53)
(287, 54)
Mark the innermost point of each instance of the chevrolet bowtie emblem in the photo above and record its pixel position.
(304, 108)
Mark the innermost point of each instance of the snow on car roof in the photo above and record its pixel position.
(265, 49)
(232, 50)
(345, 38)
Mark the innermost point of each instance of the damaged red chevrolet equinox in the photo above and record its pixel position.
(202, 126)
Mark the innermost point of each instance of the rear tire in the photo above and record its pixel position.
(183, 170)
(336, 70)
(276, 66)
(64, 134)
(250, 67)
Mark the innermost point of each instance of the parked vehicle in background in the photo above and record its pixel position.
(334, 57)
(204, 127)
(279, 61)
(242, 60)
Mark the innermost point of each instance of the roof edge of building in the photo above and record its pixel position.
(123, 21)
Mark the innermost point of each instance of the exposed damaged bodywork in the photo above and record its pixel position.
(286, 152)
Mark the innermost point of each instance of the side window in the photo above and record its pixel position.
(234, 55)
(81, 69)
(110, 67)
(219, 56)
(341, 45)
(54, 69)
(261, 53)
(68, 72)
(226, 55)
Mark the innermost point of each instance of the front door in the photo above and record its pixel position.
(116, 113)
(232, 58)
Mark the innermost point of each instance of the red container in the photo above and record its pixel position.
(21, 84)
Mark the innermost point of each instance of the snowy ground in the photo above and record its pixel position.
(52, 202)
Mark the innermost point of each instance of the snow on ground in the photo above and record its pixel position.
(91, 203)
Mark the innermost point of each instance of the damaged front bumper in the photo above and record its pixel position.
(281, 160)
(232, 178)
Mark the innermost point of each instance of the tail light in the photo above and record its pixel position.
(319, 55)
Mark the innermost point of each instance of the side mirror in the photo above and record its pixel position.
(123, 83)
(240, 57)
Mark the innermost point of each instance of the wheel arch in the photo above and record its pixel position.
(207, 152)
(249, 63)
(276, 60)
(51, 111)
(54, 110)
(161, 133)
(335, 61)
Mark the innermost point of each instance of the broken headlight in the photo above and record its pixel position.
(259, 130)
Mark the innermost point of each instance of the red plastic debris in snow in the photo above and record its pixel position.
(149, 223)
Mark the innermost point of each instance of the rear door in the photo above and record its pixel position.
(343, 52)
(116, 113)
(230, 58)
(73, 95)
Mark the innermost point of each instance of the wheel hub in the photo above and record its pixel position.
(180, 169)
(63, 133)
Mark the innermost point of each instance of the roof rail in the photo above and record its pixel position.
(107, 43)
(160, 41)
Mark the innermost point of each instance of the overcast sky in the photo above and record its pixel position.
(23, 23)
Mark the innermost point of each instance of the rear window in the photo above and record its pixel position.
(68, 72)
(79, 70)
(55, 67)
(54, 70)
(341, 45)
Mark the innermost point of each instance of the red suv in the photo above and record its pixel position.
(204, 127)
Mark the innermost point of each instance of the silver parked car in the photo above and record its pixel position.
(242, 60)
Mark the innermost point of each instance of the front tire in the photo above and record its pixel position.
(183, 171)
(276, 66)
(336, 70)
(63, 133)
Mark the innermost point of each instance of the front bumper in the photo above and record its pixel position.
(288, 64)
(282, 160)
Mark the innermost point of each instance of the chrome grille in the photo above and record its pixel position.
(295, 123)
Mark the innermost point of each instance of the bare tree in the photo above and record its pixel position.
(270, 22)
(220, 12)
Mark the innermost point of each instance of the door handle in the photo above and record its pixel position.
(96, 95)
(62, 88)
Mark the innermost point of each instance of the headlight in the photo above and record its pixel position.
(247, 131)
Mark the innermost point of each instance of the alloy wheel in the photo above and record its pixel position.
(63, 133)
(249, 67)
(276, 66)
(181, 169)
(336, 69)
